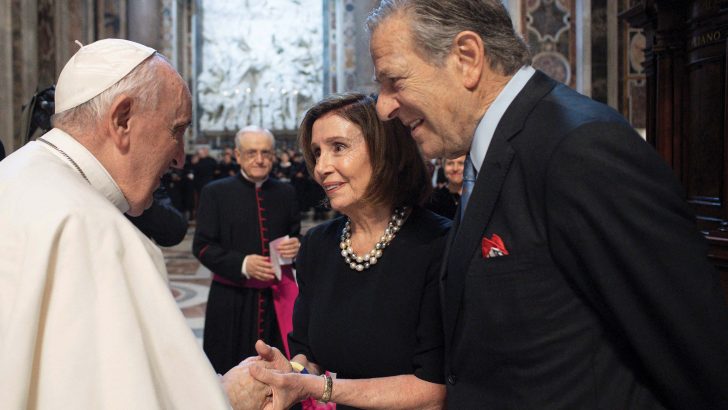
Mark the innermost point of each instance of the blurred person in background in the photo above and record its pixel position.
(445, 200)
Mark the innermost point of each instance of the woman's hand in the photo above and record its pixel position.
(269, 357)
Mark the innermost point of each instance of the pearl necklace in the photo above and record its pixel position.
(360, 263)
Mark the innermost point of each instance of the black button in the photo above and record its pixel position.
(451, 379)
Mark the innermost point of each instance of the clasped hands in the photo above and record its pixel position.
(259, 267)
(268, 382)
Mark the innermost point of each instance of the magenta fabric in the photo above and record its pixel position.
(284, 296)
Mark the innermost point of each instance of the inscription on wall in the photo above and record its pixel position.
(708, 38)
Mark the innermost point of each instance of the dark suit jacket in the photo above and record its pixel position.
(161, 221)
(606, 299)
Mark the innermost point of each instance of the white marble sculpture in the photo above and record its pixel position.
(262, 63)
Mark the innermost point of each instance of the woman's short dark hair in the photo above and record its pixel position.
(399, 175)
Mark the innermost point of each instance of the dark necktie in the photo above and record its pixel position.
(469, 175)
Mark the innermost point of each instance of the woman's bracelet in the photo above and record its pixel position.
(328, 388)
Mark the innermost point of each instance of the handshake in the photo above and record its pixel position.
(268, 382)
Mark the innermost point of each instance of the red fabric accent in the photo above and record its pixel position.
(261, 312)
(493, 246)
(202, 251)
(285, 293)
(257, 284)
(261, 218)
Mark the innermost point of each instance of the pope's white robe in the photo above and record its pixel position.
(87, 320)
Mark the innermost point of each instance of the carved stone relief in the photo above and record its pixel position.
(261, 63)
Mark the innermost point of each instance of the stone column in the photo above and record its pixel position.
(144, 21)
(6, 76)
(24, 60)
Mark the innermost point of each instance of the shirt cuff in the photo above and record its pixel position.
(243, 270)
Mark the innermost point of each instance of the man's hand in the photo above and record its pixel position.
(243, 391)
(289, 248)
(259, 267)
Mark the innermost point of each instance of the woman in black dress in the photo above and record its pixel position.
(368, 308)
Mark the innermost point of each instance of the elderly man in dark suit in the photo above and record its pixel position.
(575, 277)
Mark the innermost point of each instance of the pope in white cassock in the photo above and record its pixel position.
(87, 320)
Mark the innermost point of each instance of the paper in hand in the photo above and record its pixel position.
(275, 258)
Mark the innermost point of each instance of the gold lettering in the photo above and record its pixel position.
(705, 39)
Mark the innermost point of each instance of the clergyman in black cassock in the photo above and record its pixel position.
(238, 218)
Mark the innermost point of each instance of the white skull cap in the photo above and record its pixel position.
(96, 67)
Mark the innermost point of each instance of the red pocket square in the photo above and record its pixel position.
(493, 247)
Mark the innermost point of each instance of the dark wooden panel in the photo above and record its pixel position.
(687, 79)
(704, 140)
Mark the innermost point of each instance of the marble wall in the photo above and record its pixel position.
(586, 45)
(600, 51)
(632, 78)
(364, 72)
(350, 66)
(551, 35)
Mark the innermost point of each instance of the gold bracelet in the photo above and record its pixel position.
(328, 388)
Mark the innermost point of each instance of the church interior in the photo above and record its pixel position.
(661, 64)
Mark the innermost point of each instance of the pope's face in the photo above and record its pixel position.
(424, 96)
(158, 143)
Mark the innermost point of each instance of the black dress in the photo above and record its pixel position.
(384, 321)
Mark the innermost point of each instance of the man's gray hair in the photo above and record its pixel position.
(141, 83)
(254, 128)
(435, 23)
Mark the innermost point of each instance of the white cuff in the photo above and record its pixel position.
(243, 270)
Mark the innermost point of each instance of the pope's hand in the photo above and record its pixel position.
(243, 391)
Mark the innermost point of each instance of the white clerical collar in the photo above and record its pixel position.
(247, 178)
(489, 122)
(92, 169)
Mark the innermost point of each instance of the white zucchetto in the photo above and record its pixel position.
(96, 67)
